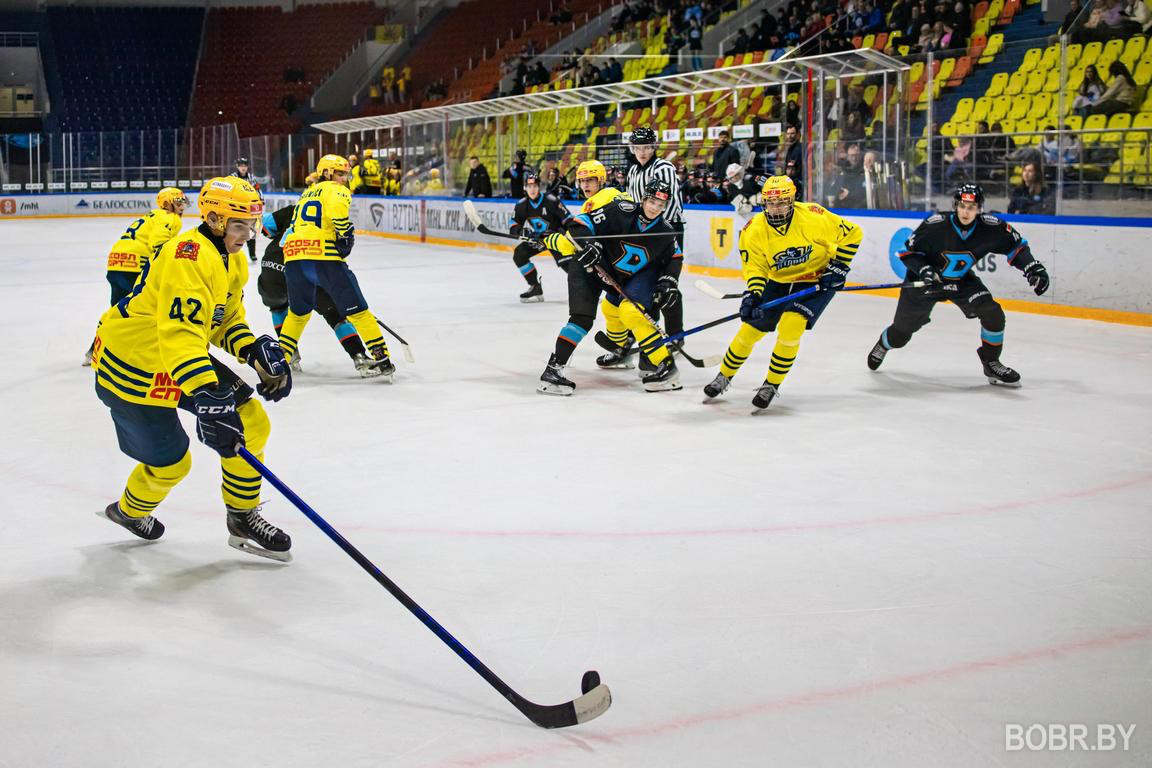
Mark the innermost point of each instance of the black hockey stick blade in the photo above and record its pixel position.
(587, 707)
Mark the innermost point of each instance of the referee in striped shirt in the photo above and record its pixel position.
(649, 167)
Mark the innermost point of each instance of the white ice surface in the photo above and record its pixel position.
(883, 570)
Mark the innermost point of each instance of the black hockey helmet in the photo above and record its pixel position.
(658, 189)
(531, 177)
(643, 135)
(241, 161)
(969, 193)
(521, 154)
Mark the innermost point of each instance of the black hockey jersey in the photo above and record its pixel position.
(941, 243)
(653, 245)
(536, 217)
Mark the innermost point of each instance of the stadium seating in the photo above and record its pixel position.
(124, 68)
(247, 52)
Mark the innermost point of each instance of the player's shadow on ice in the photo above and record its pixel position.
(902, 384)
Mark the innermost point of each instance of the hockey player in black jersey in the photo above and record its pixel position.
(534, 216)
(273, 290)
(647, 266)
(941, 252)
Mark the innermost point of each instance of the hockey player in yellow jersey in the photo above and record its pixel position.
(315, 247)
(788, 248)
(140, 242)
(592, 180)
(367, 177)
(152, 357)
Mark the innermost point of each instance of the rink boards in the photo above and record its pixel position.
(1098, 265)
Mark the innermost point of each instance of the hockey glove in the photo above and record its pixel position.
(834, 276)
(666, 294)
(590, 256)
(218, 425)
(750, 306)
(933, 283)
(344, 244)
(742, 206)
(267, 359)
(1037, 277)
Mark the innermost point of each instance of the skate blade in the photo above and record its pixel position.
(664, 386)
(553, 389)
(532, 300)
(1008, 384)
(370, 373)
(622, 366)
(242, 544)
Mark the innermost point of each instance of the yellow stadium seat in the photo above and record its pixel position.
(1027, 125)
(1000, 107)
(1035, 82)
(980, 108)
(1020, 107)
(1052, 81)
(1030, 60)
(963, 109)
(1051, 58)
(1090, 54)
(999, 81)
(995, 45)
(1072, 53)
(1143, 72)
(1015, 84)
(1008, 126)
(916, 72)
(1074, 122)
(1119, 121)
(1041, 103)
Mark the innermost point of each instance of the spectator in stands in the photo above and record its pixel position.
(479, 183)
(1033, 195)
(790, 159)
(615, 71)
(1074, 8)
(713, 192)
(1121, 93)
(694, 12)
(792, 114)
(740, 45)
(758, 38)
(874, 19)
(724, 155)
(1140, 15)
(695, 43)
(853, 129)
(961, 24)
(959, 162)
(515, 175)
(848, 187)
(562, 15)
(693, 185)
(1057, 149)
(556, 184)
(990, 151)
(1091, 89)
(915, 25)
(434, 183)
(898, 15)
(924, 42)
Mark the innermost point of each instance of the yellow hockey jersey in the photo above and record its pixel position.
(800, 252)
(321, 217)
(601, 199)
(152, 346)
(142, 240)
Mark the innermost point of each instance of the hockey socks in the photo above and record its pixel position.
(738, 351)
(788, 333)
(147, 486)
(349, 339)
(632, 319)
(570, 336)
(368, 328)
(290, 331)
(531, 276)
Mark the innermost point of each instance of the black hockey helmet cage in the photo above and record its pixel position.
(242, 161)
(643, 135)
(531, 177)
(968, 193)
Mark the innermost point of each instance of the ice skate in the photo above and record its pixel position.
(294, 363)
(665, 378)
(251, 533)
(998, 373)
(618, 356)
(553, 380)
(716, 387)
(763, 397)
(145, 527)
(876, 356)
(379, 364)
(534, 294)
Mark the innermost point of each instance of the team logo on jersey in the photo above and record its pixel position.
(119, 260)
(218, 313)
(189, 249)
(792, 257)
(164, 388)
(625, 205)
(721, 235)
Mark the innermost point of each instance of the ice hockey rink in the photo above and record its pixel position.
(885, 569)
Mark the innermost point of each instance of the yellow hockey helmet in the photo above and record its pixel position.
(332, 163)
(368, 153)
(592, 169)
(171, 195)
(230, 197)
(778, 194)
(434, 173)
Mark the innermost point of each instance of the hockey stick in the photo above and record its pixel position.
(478, 223)
(710, 290)
(474, 216)
(596, 697)
(407, 349)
